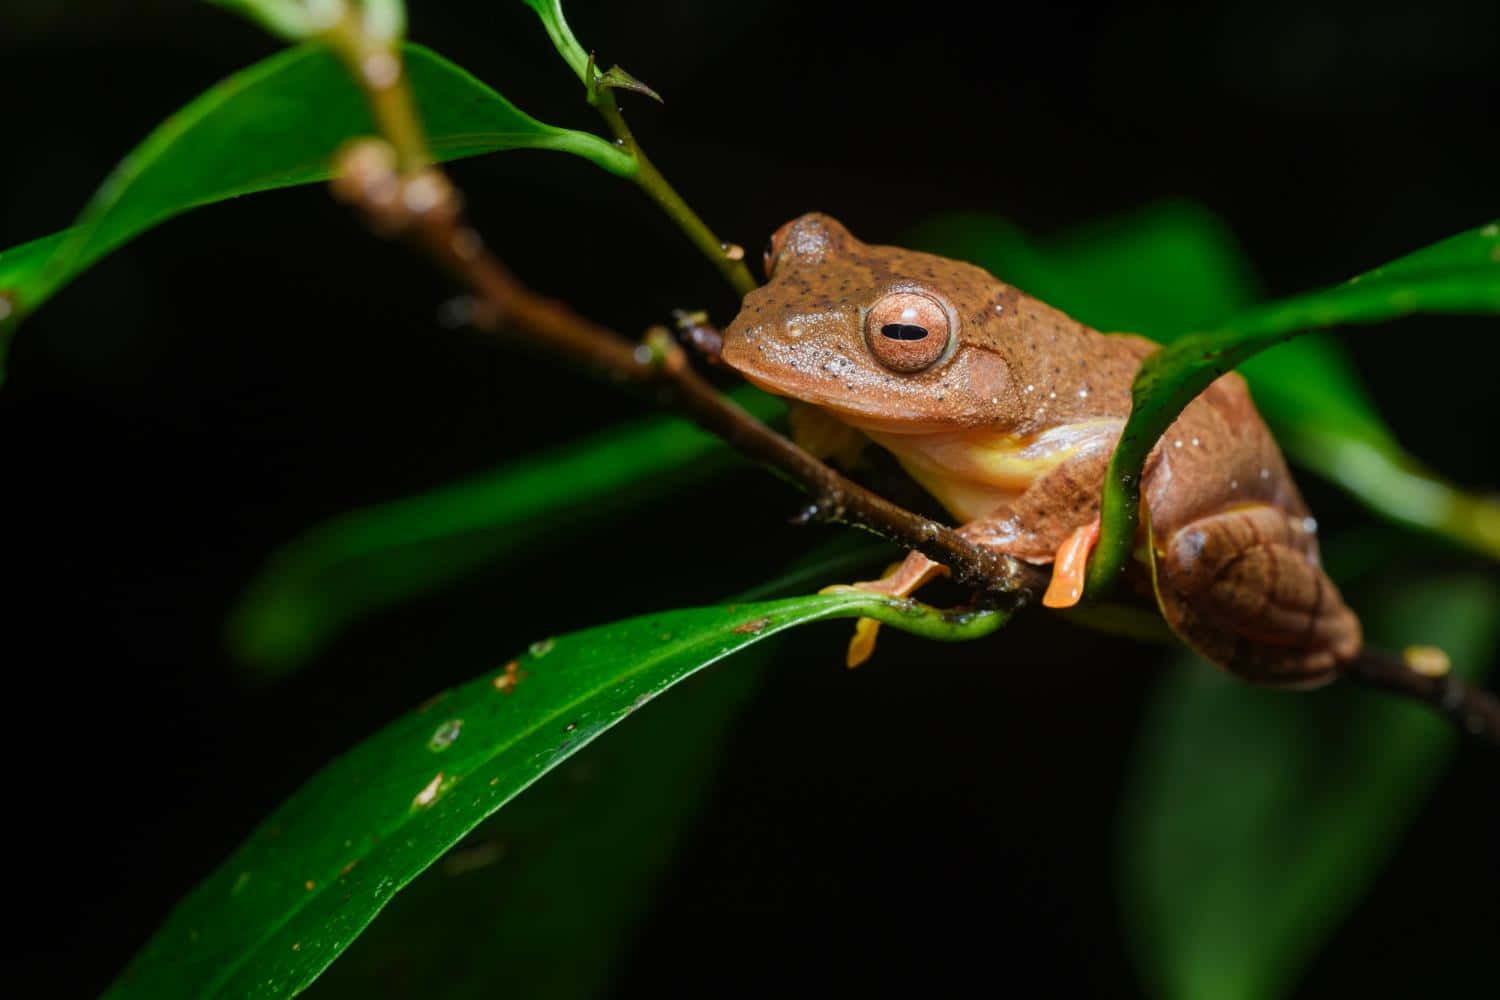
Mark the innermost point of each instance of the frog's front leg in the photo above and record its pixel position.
(1245, 588)
(1054, 520)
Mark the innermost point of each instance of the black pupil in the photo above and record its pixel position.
(903, 331)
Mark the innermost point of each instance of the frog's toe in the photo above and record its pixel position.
(862, 643)
(899, 580)
(1069, 567)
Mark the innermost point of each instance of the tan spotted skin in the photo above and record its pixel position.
(1013, 428)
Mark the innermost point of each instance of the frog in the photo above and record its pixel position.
(1006, 411)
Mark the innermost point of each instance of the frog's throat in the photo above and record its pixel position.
(973, 472)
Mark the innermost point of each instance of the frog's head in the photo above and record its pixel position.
(887, 339)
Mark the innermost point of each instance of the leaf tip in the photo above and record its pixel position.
(616, 78)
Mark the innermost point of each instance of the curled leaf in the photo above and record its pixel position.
(1169, 268)
(1459, 275)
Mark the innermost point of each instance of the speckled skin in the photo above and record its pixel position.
(1012, 430)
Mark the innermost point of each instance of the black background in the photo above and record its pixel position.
(236, 375)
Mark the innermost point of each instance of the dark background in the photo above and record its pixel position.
(236, 375)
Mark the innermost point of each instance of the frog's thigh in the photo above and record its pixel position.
(1245, 589)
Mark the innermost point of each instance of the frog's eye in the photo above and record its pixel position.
(908, 331)
(774, 243)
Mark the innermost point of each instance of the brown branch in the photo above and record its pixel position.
(400, 194)
(424, 208)
(1472, 709)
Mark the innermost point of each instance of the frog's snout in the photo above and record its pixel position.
(743, 349)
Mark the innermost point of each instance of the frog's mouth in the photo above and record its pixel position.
(880, 413)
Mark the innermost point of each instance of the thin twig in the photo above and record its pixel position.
(727, 257)
(376, 67)
(1472, 709)
(425, 209)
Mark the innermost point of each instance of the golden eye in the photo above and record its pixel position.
(774, 243)
(908, 331)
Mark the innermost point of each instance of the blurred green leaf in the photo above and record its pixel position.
(358, 563)
(1253, 820)
(540, 900)
(275, 124)
(1459, 275)
(1158, 271)
(313, 875)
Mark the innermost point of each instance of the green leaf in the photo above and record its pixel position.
(1254, 819)
(1173, 267)
(275, 124)
(1375, 469)
(359, 563)
(544, 896)
(319, 869)
(1458, 275)
(551, 14)
(542, 900)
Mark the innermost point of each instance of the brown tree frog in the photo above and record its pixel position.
(1006, 411)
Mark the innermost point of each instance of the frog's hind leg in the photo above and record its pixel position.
(1246, 590)
(900, 580)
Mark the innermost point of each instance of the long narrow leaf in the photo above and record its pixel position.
(272, 125)
(542, 898)
(1458, 275)
(319, 869)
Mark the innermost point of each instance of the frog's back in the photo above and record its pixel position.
(1066, 372)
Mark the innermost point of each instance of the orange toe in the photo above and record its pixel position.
(1069, 565)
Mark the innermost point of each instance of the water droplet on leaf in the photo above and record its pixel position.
(443, 738)
(428, 795)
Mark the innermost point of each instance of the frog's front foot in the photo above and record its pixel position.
(1070, 565)
(900, 580)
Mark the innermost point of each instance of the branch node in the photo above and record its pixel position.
(1429, 661)
(366, 176)
(694, 329)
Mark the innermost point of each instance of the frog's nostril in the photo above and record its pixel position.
(903, 331)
